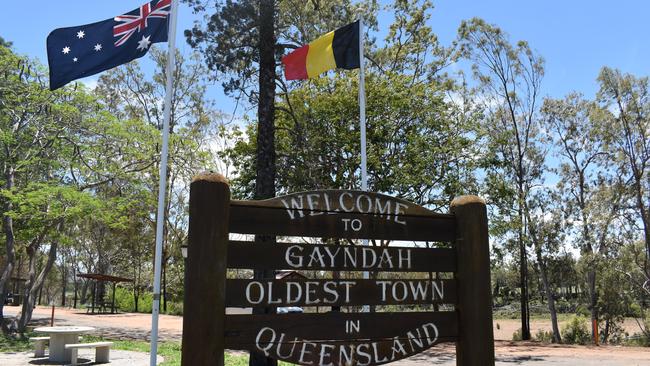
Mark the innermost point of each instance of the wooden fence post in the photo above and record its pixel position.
(475, 345)
(204, 303)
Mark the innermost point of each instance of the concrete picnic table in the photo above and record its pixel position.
(59, 337)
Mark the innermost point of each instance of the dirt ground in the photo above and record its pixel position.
(137, 326)
(504, 328)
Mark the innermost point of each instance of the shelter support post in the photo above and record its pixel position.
(204, 303)
(475, 344)
(113, 301)
(92, 304)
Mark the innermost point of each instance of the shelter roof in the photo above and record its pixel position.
(104, 277)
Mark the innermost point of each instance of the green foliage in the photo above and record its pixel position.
(9, 343)
(420, 145)
(576, 331)
(641, 338)
(582, 311)
(125, 302)
(5, 43)
(616, 333)
(516, 336)
(174, 308)
(545, 336)
(229, 34)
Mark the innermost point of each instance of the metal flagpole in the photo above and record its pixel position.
(362, 122)
(362, 110)
(162, 186)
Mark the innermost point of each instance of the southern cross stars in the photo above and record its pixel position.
(66, 50)
(81, 34)
(144, 43)
(98, 47)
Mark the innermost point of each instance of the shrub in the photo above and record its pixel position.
(617, 333)
(174, 308)
(124, 300)
(642, 338)
(516, 336)
(583, 311)
(576, 331)
(545, 336)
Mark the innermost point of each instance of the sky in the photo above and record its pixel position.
(576, 37)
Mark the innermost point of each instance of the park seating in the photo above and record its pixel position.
(39, 345)
(102, 351)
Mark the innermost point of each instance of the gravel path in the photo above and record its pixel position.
(529, 353)
(86, 357)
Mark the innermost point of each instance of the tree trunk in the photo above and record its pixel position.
(164, 287)
(549, 294)
(645, 219)
(40, 296)
(76, 289)
(64, 283)
(135, 299)
(84, 292)
(265, 163)
(7, 223)
(523, 298)
(35, 284)
(606, 331)
(593, 298)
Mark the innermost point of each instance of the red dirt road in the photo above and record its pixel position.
(137, 326)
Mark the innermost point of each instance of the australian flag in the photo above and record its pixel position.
(77, 52)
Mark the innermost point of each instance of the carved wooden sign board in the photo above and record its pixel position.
(334, 338)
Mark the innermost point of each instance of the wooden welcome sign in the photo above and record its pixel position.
(334, 338)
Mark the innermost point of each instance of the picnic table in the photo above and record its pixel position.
(59, 337)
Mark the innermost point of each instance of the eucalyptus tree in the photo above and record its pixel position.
(546, 228)
(576, 126)
(627, 138)
(39, 198)
(134, 98)
(28, 136)
(509, 77)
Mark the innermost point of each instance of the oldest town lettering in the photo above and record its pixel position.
(247, 293)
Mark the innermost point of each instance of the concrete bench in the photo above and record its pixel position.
(102, 351)
(39, 345)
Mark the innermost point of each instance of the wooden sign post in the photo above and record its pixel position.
(335, 338)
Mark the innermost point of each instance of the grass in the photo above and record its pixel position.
(170, 351)
(15, 344)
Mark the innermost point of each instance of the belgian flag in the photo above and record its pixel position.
(338, 49)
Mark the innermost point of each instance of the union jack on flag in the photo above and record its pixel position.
(138, 22)
(77, 52)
